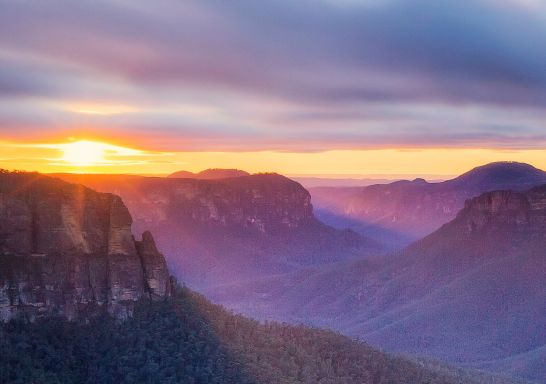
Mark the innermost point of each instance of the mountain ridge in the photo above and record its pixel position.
(404, 211)
(472, 293)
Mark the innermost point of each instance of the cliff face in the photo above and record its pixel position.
(265, 203)
(65, 248)
(220, 231)
(523, 211)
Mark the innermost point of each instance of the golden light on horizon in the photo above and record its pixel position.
(89, 156)
(97, 155)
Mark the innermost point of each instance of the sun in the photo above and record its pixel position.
(84, 153)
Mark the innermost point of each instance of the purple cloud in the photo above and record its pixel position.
(321, 73)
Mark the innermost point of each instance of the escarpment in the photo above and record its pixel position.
(65, 249)
(217, 232)
(523, 211)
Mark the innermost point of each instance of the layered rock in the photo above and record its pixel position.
(265, 203)
(522, 211)
(221, 231)
(65, 249)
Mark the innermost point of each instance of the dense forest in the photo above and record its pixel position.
(186, 339)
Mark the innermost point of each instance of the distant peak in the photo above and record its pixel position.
(220, 173)
(210, 174)
(419, 180)
(182, 175)
(509, 166)
(501, 175)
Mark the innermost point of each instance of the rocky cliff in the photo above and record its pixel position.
(65, 249)
(263, 203)
(522, 211)
(221, 231)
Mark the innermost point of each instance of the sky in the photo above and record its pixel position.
(306, 87)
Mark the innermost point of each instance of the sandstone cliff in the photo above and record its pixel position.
(222, 231)
(66, 249)
(523, 211)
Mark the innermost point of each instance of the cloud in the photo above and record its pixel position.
(305, 74)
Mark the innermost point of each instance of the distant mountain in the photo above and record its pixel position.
(210, 174)
(65, 249)
(472, 293)
(314, 182)
(219, 231)
(404, 211)
(183, 175)
(500, 175)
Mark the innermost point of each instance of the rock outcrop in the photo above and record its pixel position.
(66, 249)
(522, 211)
(156, 274)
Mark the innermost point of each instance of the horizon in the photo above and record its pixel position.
(98, 157)
(352, 178)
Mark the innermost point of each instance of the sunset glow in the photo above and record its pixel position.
(95, 156)
(360, 89)
(373, 168)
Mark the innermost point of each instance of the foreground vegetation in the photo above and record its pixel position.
(186, 339)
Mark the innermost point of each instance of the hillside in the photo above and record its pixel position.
(404, 211)
(472, 293)
(185, 339)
